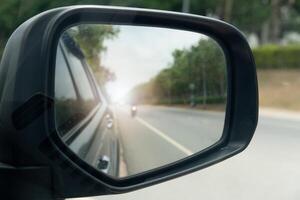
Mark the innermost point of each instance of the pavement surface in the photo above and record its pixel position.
(267, 169)
(159, 135)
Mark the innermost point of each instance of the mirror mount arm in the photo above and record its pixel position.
(18, 182)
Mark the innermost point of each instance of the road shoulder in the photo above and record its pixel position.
(279, 113)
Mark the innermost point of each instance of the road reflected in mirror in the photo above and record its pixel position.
(129, 99)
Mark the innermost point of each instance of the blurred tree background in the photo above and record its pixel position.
(272, 28)
(269, 21)
(262, 21)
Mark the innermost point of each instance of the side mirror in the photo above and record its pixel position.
(173, 94)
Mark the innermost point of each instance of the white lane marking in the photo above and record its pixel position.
(165, 137)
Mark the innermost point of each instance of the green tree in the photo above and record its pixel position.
(202, 65)
(90, 38)
(269, 20)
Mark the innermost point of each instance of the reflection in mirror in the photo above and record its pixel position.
(129, 99)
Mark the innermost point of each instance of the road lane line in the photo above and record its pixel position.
(164, 136)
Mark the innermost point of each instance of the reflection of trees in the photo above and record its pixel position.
(70, 111)
(197, 73)
(90, 38)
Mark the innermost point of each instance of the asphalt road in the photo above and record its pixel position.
(267, 169)
(159, 135)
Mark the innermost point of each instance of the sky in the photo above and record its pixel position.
(139, 53)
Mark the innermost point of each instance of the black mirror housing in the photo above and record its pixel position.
(27, 91)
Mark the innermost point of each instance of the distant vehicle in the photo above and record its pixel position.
(133, 110)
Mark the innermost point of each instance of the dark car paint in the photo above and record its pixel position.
(96, 136)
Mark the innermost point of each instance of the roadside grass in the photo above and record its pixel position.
(279, 88)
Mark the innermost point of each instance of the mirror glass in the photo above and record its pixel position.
(129, 99)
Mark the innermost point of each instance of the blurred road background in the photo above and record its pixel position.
(267, 169)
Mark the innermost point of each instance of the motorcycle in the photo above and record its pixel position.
(133, 111)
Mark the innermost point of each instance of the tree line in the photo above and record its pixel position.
(269, 20)
(90, 38)
(196, 75)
